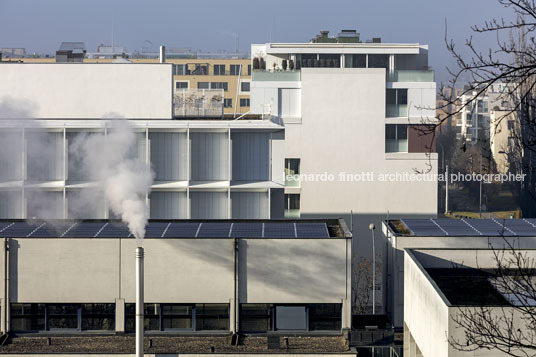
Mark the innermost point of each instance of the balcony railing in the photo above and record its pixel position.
(259, 75)
(198, 103)
(396, 110)
(410, 76)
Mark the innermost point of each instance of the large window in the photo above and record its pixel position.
(292, 170)
(307, 317)
(219, 85)
(58, 317)
(234, 70)
(292, 206)
(180, 317)
(219, 69)
(378, 61)
(396, 138)
(396, 103)
(355, 61)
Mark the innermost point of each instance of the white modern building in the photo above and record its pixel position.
(203, 169)
(445, 286)
(444, 233)
(353, 116)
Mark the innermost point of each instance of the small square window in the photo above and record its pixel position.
(219, 69)
(245, 86)
(244, 102)
(234, 70)
(227, 102)
(181, 85)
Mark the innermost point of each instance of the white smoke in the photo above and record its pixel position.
(124, 179)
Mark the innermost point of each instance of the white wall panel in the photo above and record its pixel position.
(289, 102)
(209, 156)
(251, 156)
(208, 205)
(168, 205)
(169, 155)
(44, 156)
(10, 204)
(249, 205)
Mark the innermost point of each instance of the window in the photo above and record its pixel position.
(255, 317)
(234, 70)
(378, 61)
(292, 169)
(176, 317)
(355, 61)
(290, 318)
(211, 317)
(219, 85)
(200, 69)
(181, 85)
(482, 106)
(244, 86)
(325, 317)
(227, 102)
(510, 125)
(219, 69)
(98, 317)
(396, 103)
(203, 85)
(244, 102)
(249, 70)
(396, 138)
(62, 316)
(27, 317)
(179, 69)
(292, 206)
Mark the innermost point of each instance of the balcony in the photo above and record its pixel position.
(396, 110)
(259, 75)
(198, 103)
(410, 76)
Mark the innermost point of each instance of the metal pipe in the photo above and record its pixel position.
(236, 303)
(446, 189)
(139, 301)
(6, 289)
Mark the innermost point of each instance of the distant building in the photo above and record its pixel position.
(71, 52)
(109, 52)
(8, 52)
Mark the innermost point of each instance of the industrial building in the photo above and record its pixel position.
(211, 277)
(205, 167)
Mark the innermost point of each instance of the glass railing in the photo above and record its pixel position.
(292, 213)
(292, 180)
(410, 76)
(276, 75)
(396, 110)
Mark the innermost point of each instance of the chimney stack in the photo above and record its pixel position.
(162, 54)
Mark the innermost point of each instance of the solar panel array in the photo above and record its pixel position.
(437, 227)
(213, 229)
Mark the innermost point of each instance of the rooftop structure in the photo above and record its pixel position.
(71, 52)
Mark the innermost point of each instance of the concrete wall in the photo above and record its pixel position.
(426, 314)
(85, 91)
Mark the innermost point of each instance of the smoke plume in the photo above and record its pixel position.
(124, 179)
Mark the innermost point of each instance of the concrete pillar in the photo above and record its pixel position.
(412, 347)
(407, 338)
(346, 314)
(232, 314)
(119, 315)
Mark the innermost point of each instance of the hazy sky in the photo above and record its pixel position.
(41, 25)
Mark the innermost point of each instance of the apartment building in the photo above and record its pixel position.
(356, 117)
(204, 166)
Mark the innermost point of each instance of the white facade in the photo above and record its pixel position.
(335, 124)
(203, 169)
(429, 315)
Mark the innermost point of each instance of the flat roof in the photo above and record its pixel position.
(443, 227)
(169, 229)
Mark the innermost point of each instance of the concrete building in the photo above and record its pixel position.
(353, 114)
(442, 284)
(217, 169)
(505, 140)
(443, 233)
(211, 277)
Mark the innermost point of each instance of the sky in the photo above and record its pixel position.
(41, 25)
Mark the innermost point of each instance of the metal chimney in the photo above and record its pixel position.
(162, 54)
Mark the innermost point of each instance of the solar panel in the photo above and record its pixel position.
(51, 229)
(114, 230)
(155, 229)
(518, 226)
(455, 227)
(19, 230)
(84, 230)
(279, 230)
(247, 230)
(424, 227)
(214, 230)
(489, 227)
(312, 230)
(4, 225)
(182, 230)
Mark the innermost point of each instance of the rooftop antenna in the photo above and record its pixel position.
(113, 30)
